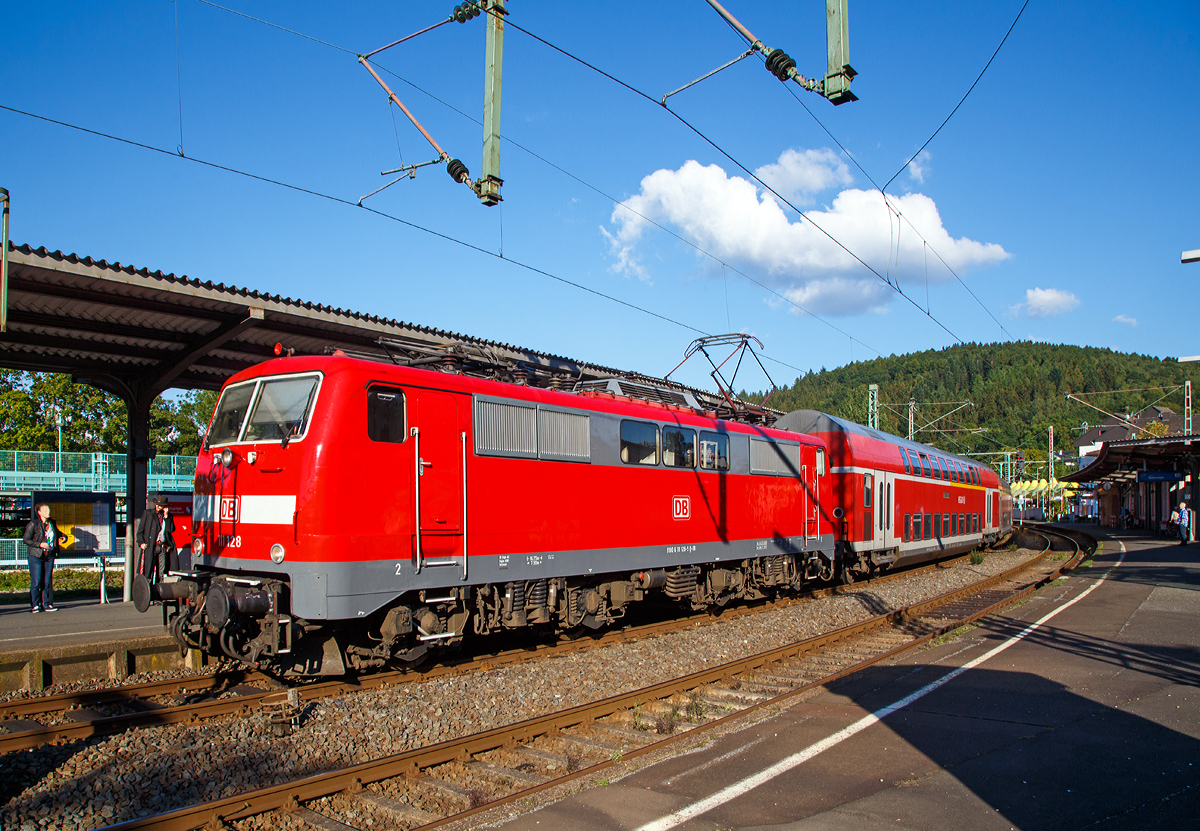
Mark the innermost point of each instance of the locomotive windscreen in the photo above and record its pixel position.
(277, 407)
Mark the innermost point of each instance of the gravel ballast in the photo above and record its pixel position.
(92, 783)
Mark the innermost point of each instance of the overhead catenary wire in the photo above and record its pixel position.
(703, 137)
(565, 172)
(899, 214)
(962, 100)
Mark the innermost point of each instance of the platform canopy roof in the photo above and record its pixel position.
(96, 320)
(1119, 461)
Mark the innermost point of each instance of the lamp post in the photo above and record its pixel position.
(58, 422)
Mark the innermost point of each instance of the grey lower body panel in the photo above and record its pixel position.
(349, 590)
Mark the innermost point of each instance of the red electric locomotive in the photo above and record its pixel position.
(897, 501)
(352, 512)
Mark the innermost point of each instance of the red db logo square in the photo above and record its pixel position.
(681, 507)
(229, 509)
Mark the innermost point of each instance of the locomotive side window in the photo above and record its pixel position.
(282, 409)
(774, 457)
(714, 451)
(385, 414)
(231, 412)
(639, 443)
(679, 447)
(868, 487)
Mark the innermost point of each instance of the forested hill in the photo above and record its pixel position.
(1018, 390)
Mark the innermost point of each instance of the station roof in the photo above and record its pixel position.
(91, 318)
(1120, 461)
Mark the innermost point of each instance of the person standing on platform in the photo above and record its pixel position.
(156, 543)
(42, 541)
(1185, 524)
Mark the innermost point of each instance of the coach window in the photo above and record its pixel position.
(925, 466)
(954, 477)
(928, 526)
(907, 527)
(714, 451)
(639, 443)
(962, 523)
(385, 414)
(954, 525)
(937, 468)
(904, 456)
(679, 447)
(937, 526)
(868, 487)
(945, 471)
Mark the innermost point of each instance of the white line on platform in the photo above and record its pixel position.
(156, 627)
(795, 760)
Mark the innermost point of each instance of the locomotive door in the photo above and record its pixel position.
(885, 511)
(440, 485)
(809, 482)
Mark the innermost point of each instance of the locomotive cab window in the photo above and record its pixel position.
(678, 447)
(385, 414)
(231, 413)
(282, 409)
(639, 443)
(714, 451)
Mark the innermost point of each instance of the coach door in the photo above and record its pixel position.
(440, 487)
(885, 510)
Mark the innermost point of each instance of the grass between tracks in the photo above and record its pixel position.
(69, 584)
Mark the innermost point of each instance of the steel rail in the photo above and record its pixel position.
(132, 694)
(353, 778)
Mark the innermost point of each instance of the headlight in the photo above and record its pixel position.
(227, 457)
(197, 547)
(277, 553)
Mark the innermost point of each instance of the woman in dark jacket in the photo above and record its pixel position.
(42, 539)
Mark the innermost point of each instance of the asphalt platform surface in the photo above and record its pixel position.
(1090, 720)
(76, 623)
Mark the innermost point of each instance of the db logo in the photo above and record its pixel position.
(681, 507)
(229, 509)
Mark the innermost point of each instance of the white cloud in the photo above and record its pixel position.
(731, 218)
(919, 166)
(801, 173)
(1132, 321)
(1041, 303)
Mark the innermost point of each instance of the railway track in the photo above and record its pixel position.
(452, 780)
(57, 719)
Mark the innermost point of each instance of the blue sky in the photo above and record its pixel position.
(1061, 192)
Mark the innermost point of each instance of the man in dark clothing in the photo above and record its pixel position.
(156, 545)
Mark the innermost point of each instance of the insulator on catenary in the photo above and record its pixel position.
(779, 64)
(465, 11)
(458, 171)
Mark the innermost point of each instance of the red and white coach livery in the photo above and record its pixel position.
(351, 512)
(897, 501)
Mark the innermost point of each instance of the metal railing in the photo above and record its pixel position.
(34, 470)
(13, 556)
